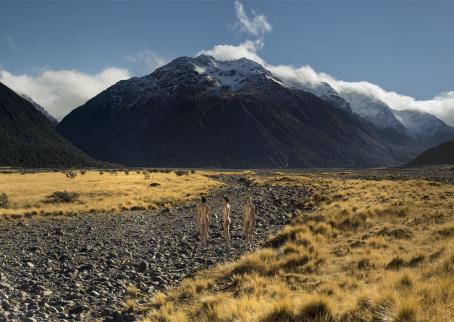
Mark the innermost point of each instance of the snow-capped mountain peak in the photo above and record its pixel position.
(208, 74)
(233, 75)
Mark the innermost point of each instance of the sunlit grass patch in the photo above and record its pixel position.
(98, 191)
(358, 250)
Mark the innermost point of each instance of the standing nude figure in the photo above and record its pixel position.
(203, 219)
(226, 221)
(249, 219)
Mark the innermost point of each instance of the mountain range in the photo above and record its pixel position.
(424, 129)
(202, 112)
(28, 139)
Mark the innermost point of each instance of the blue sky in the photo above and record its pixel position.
(402, 46)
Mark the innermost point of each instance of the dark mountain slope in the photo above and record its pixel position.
(441, 154)
(51, 119)
(199, 112)
(28, 139)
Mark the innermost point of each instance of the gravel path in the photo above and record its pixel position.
(78, 268)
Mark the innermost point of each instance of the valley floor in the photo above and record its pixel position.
(377, 245)
(358, 245)
(86, 266)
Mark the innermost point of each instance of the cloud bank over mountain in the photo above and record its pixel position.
(441, 105)
(60, 91)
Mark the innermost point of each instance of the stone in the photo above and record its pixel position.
(142, 267)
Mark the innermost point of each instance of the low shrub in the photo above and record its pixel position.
(315, 310)
(3, 200)
(446, 231)
(62, 196)
(70, 174)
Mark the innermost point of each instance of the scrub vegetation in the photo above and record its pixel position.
(357, 250)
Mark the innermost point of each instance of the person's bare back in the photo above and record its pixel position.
(249, 219)
(226, 220)
(203, 219)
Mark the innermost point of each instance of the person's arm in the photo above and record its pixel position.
(253, 216)
(209, 214)
(198, 214)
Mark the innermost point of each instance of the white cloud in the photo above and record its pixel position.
(60, 91)
(148, 59)
(441, 105)
(256, 25)
(247, 49)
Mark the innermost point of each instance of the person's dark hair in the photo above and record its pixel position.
(226, 199)
(203, 199)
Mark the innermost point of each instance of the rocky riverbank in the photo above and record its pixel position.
(79, 267)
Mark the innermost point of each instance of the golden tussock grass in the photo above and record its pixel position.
(101, 191)
(376, 250)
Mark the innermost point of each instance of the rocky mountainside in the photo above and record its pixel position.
(51, 119)
(324, 91)
(28, 139)
(441, 154)
(373, 110)
(201, 112)
(426, 129)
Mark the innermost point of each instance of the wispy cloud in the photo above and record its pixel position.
(60, 91)
(147, 59)
(11, 45)
(256, 24)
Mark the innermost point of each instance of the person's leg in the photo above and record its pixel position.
(201, 232)
(228, 233)
(206, 232)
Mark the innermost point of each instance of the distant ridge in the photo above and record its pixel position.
(28, 139)
(51, 119)
(441, 154)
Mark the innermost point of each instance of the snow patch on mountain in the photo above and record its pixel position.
(425, 127)
(373, 110)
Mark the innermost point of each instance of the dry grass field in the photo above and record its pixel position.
(370, 250)
(99, 190)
